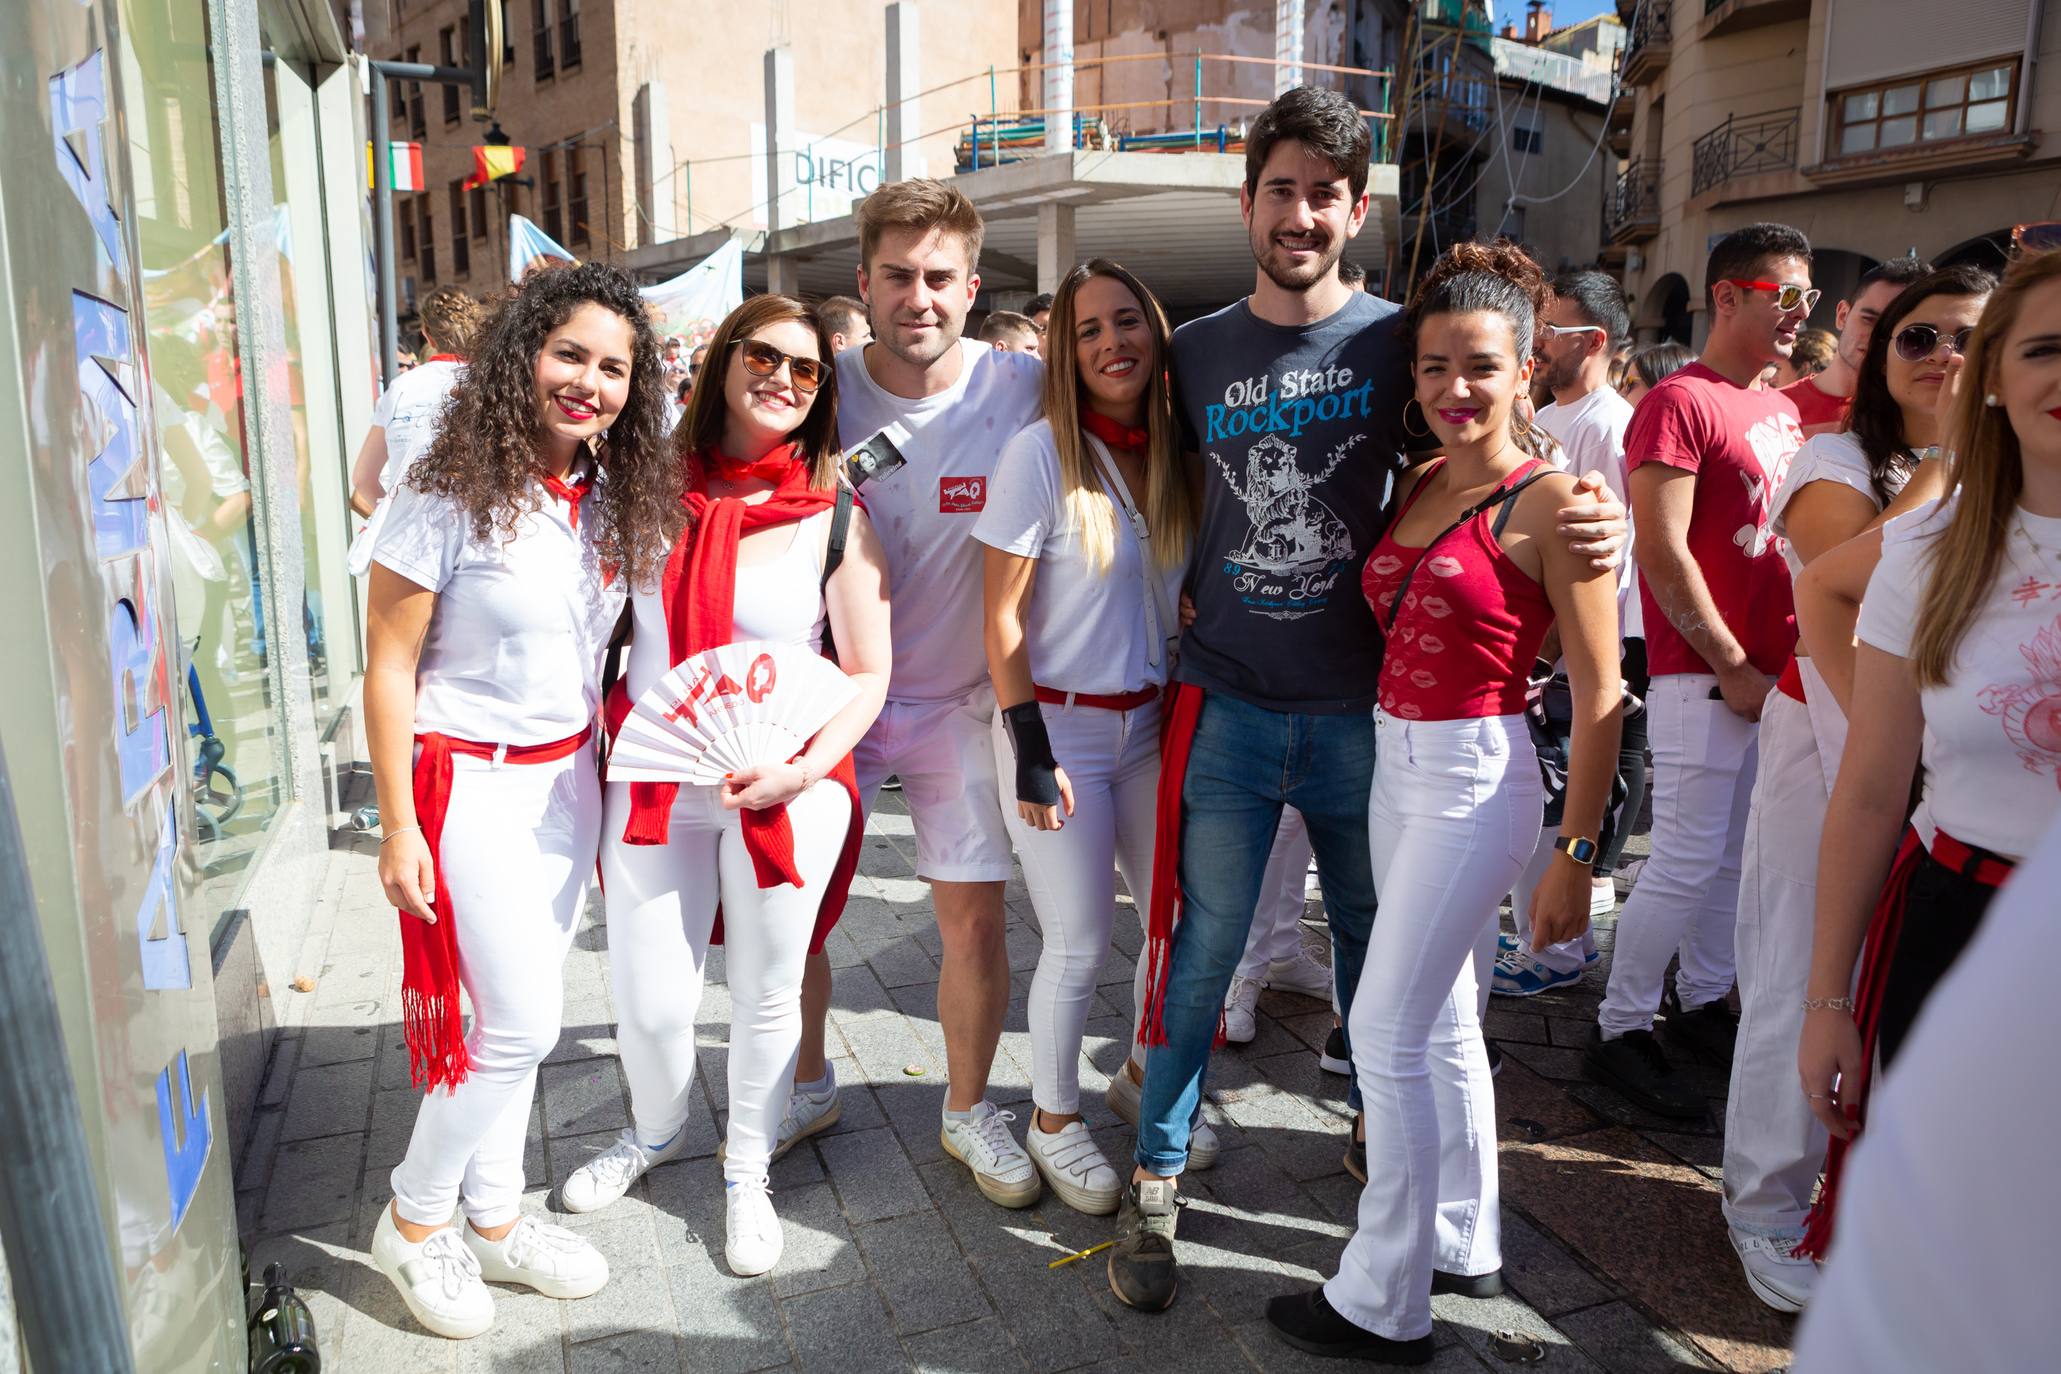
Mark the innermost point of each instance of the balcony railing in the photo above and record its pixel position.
(1742, 147)
(1649, 43)
(1631, 209)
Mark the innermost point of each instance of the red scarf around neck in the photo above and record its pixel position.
(1115, 433)
(570, 492)
(699, 593)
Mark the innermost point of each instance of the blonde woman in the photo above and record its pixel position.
(1960, 650)
(1087, 527)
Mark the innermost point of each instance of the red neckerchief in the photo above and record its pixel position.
(569, 492)
(773, 467)
(443, 358)
(1115, 433)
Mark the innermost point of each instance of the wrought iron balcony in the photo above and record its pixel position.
(1744, 147)
(1649, 44)
(1631, 209)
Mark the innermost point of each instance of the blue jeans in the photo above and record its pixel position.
(1246, 763)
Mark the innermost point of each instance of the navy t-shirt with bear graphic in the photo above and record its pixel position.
(1299, 434)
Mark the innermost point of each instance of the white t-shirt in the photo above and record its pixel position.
(1992, 734)
(408, 411)
(924, 511)
(780, 600)
(1591, 434)
(1089, 632)
(513, 653)
(1946, 1251)
(1826, 458)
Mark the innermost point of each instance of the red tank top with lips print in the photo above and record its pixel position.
(1471, 621)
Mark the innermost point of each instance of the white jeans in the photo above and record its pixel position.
(661, 902)
(1773, 1144)
(1687, 898)
(1284, 895)
(1568, 955)
(1112, 760)
(1454, 814)
(517, 855)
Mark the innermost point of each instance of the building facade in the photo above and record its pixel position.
(1877, 127)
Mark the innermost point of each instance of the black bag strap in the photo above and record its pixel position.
(611, 661)
(1500, 497)
(840, 531)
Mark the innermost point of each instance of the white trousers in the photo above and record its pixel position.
(661, 902)
(1454, 814)
(1687, 897)
(1773, 1144)
(1284, 895)
(517, 855)
(1568, 955)
(1112, 760)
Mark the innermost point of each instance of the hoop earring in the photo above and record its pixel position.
(1424, 433)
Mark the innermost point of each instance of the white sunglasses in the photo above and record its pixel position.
(1557, 330)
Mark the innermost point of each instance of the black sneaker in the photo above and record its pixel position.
(1489, 1285)
(1142, 1272)
(891, 783)
(1495, 1052)
(1707, 1032)
(1307, 1322)
(1636, 1066)
(1333, 1057)
(1356, 1152)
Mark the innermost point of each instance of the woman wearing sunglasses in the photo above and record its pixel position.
(1838, 485)
(1959, 669)
(1087, 526)
(751, 559)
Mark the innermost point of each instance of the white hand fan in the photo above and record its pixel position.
(728, 709)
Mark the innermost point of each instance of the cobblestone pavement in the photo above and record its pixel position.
(1615, 1254)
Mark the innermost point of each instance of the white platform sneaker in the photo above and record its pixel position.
(438, 1279)
(1001, 1170)
(1075, 1167)
(556, 1262)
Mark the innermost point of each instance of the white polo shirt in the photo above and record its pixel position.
(1089, 631)
(513, 653)
(924, 512)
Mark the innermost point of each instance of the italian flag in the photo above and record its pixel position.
(493, 161)
(404, 163)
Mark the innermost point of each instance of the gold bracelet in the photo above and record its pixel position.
(1844, 1004)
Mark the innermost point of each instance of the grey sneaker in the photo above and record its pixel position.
(1142, 1271)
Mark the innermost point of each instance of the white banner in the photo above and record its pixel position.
(819, 177)
(695, 302)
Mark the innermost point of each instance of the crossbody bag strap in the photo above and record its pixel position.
(611, 660)
(1501, 496)
(833, 556)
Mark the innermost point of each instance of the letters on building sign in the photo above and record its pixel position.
(117, 482)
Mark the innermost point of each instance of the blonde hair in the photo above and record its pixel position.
(1988, 469)
(918, 206)
(1168, 505)
(452, 320)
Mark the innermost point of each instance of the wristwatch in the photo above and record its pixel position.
(1580, 848)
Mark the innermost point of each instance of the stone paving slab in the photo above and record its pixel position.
(1614, 1251)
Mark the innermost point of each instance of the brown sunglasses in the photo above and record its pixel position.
(761, 359)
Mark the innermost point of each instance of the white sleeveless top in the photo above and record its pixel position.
(780, 600)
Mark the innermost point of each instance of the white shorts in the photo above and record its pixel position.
(943, 755)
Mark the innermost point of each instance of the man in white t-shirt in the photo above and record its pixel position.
(404, 423)
(952, 406)
(1587, 419)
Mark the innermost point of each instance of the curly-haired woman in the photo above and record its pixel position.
(496, 576)
(685, 867)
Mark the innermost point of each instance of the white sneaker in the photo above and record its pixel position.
(1300, 973)
(753, 1242)
(607, 1176)
(438, 1279)
(807, 1114)
(1123, 1098)
(1778, 1278)
(1076, 1168)
(1241, 1010)
(1602, 897)
(1001, 1170)
(556, 1262)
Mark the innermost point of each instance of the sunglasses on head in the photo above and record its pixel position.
(1788, 295)
(761, 359)
(2042, 237)
(1917, 342)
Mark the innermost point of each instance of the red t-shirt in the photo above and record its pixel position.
(1819, 412)
(1738, 442)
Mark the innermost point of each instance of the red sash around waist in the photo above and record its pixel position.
(1790, 684)
(1123, 701)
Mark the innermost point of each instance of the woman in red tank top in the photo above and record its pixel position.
(1465, 583)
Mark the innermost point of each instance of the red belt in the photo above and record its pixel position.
(430, 1020)
(1976, 865)
(1790, 684)
(1127, 701)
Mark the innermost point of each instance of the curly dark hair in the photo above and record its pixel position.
(1493, 278)
(485, 453)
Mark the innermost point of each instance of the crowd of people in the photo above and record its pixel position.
(1411, 591)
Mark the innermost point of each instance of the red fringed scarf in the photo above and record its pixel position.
(1885, 929)
(1179, 716)
(699, 590)
(1115, 433)
(429, 950)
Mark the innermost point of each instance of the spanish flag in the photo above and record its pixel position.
(494, 161)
